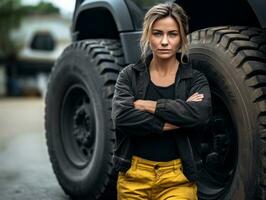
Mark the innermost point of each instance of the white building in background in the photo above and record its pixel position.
(40, 40)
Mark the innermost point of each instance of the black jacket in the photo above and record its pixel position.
(128, 122)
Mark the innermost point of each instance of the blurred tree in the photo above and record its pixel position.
(10, 16)
(11, 13)
(42, 8)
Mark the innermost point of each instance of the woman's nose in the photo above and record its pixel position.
(164, 41)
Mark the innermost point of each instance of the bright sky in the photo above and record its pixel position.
(64, 5)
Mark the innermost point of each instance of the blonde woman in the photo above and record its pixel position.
(157, 105)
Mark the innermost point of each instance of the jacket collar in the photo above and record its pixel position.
(185, 68)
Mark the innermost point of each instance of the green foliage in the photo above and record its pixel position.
(11, 13)
(42, 8)
(10, 16)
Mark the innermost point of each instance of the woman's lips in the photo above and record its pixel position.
(164, 50)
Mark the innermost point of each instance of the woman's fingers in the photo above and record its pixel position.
(139, 104)
(169, 127)
(193, 95)
(196, 97)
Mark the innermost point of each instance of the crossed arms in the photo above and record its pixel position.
(150, 106)
(144, 117)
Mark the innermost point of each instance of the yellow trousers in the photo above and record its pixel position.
(151, 180)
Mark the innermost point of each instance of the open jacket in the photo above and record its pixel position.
(128, 122)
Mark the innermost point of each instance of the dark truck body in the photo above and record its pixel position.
(227, 42)
(122, 19)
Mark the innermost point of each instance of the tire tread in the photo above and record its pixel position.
(246, 46)
(108, 58)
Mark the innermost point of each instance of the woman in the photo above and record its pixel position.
(157, 105)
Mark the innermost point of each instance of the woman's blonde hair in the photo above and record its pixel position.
(160, 11)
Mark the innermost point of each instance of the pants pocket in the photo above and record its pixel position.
(181, 176)
(126, 173)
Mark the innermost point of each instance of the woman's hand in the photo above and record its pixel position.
(169, 127)
(195, 97)
(145, 105)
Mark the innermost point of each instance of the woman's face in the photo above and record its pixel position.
(165, 38)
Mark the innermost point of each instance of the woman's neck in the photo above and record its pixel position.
(164, 66)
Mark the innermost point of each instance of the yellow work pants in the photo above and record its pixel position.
(151, 180)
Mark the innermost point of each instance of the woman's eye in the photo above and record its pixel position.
(157, 34)
(173, 34)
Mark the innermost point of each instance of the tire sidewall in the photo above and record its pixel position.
(218, 68)
(77, 66)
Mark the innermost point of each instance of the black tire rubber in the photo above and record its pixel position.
(80, 87)
(234, 61)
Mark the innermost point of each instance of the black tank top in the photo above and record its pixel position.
(157, 147)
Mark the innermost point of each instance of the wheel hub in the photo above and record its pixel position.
(78, 126)
(218, 152)
(82, 129)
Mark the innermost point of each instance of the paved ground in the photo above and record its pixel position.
(25, 170)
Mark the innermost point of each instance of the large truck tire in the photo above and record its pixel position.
(233, 150)
(79, 130)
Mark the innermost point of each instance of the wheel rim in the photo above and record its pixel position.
(218, 151)
(77, 126)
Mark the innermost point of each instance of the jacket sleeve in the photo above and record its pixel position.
(125, 116)
(187, 114)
